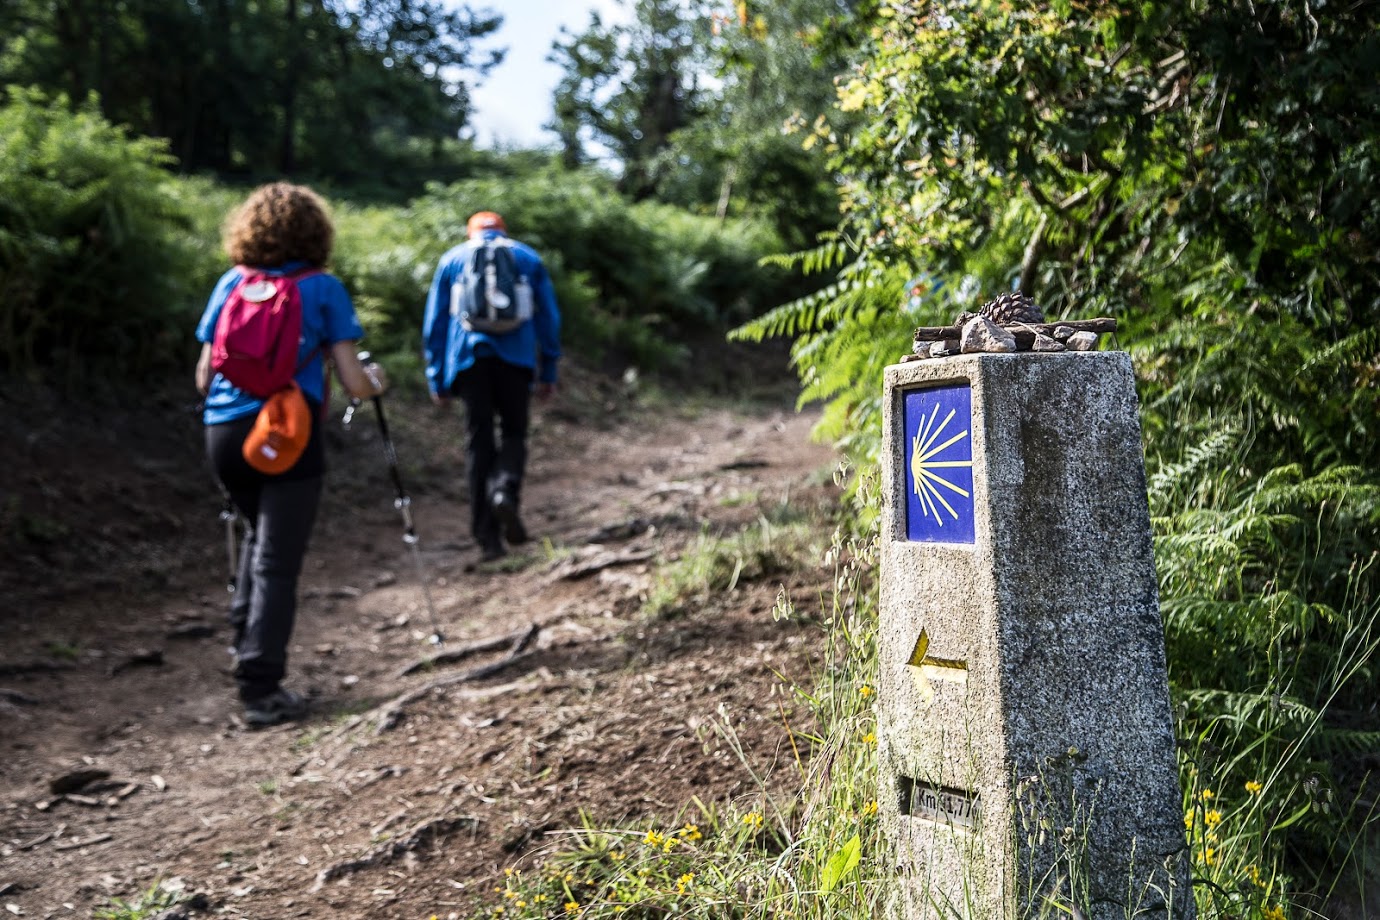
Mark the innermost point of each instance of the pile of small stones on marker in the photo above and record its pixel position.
(1009, 323)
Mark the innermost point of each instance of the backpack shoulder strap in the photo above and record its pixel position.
(479, 249)
(323, 350)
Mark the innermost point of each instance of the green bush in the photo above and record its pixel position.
(635, 282)
(106, 259)
(95, 273)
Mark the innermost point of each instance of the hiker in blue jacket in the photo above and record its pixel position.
(282, 232)
(493, 363)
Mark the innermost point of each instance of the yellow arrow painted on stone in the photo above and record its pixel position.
(925, 668)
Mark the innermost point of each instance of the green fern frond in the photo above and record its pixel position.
(795, 318)
(1362, 346)
(831, 253)
(1199, 457)
(1334, 741)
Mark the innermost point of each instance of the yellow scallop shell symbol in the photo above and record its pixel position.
(926, 478)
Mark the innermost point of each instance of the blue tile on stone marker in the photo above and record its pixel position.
(939, 465)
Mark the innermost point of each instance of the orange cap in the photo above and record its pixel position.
(485, 220)
(280, 433)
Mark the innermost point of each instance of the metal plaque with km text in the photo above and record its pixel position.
(939, 804)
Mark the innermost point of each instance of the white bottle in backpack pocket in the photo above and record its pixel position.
(491, 295)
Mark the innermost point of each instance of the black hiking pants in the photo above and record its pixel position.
(494, 391)
(279, 512)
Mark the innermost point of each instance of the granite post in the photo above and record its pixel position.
(1024, 727)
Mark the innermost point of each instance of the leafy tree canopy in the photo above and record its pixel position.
(630, 87)
(317, 87)
(1203, 170)
(711, 105)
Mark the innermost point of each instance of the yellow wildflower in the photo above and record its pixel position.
(1212, 818)
(653, 839)
(669, 843)
(1253, 788)
(753, 819)
(684, 882)
(865, 691)
(618, 856)
(519, 903)
(1274, 912)
(510, 895)
(690, 832)
(1205, 795)
(572, 906)
(1188, 821)
(870, 738)
(1253, 874)
(1209, 856)
(870, 809)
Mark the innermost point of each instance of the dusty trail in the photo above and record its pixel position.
(380, 805)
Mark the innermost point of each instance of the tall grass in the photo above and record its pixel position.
(714, 565)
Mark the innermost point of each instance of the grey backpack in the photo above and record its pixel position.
(491, 295)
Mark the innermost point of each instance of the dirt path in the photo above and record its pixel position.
(605, 710)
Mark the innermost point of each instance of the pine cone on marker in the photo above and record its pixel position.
(1011, 309)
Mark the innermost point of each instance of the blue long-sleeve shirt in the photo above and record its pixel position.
(450, 347)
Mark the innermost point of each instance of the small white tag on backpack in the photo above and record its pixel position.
(259, 291)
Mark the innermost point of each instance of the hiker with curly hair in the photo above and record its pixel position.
(280, 241)
(491, 335)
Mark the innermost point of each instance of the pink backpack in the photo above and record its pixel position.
(258, 332)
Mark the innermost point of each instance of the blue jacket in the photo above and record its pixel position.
(328, 316)
(450, 347)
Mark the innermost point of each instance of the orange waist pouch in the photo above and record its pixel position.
(280, 433)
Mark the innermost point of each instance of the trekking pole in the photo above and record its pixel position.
(227, 514)
(403, 503)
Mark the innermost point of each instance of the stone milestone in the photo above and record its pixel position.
(1025, 737)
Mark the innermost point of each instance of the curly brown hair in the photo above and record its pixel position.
(280, 223)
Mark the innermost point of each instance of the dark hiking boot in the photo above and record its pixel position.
(492, 551)
(279, 706)
(505, 509)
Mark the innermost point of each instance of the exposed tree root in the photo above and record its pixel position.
(452, 656)
(392, 711)
(18, 697)
(584, 566)
(420, 834)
